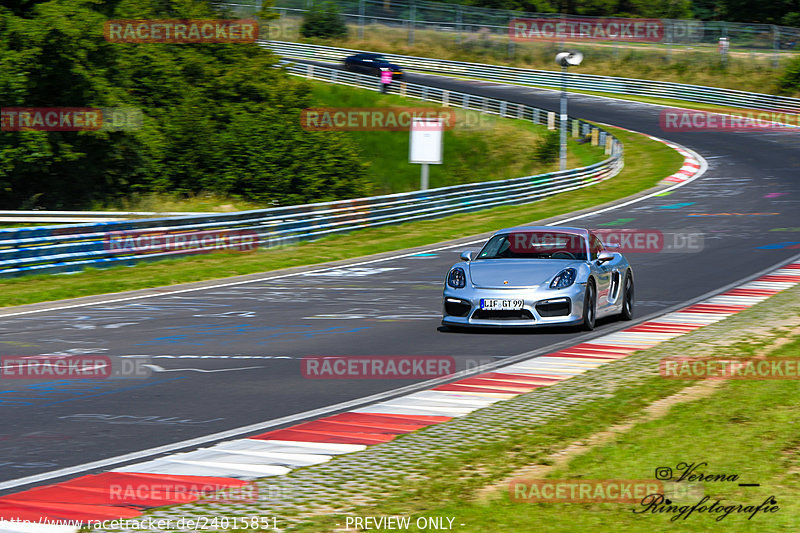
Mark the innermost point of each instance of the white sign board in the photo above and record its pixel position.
(426, 141)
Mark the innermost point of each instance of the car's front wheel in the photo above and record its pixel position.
(627, 298)
(589, 307)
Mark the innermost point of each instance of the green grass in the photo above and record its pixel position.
(646, 162)
(480, 147)
(746, 428)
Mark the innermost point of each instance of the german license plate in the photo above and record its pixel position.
(493, 304)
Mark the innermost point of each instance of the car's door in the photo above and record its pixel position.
(603, 275)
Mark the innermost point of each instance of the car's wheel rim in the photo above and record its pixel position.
(629, 296)
(590, 309)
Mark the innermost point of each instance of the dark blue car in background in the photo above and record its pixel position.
(371, 64)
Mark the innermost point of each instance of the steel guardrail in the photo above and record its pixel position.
(36, 216)
(546, 78)
(69, 248)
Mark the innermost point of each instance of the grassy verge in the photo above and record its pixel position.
(479, 148)
(698, 65)
(646, 162)
(744, 428)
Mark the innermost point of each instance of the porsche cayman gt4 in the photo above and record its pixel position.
(538, 276)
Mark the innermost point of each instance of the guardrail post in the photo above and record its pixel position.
(310, 71)
(445, 98)
(668, 38)
(520, 111)
(551, 120)
(536, 115)
(776, 45)
(458, 24)
(595, 133)
(361, 11)
(403, 88)
(609, 144)
(575, 128)
(425, 92)
(412, 15)
(503, 109)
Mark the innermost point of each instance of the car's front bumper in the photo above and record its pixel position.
(535, 312)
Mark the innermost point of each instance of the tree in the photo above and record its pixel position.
(323, 20)
(217, 117)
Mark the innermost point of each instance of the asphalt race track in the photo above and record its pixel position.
(225, 357)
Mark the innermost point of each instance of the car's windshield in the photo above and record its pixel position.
(535, 245)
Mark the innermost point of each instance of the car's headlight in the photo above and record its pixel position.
(564, 279)
(457, 278)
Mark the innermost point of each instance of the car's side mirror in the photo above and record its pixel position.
(605, 256)
(468, 255)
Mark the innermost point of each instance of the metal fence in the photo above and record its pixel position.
(469, 24)
(546, 78)
(70, 248)
(55, 217)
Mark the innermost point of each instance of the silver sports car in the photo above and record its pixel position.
(538, 276)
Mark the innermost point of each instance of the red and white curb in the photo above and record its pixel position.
(184, 477)
(691, 165)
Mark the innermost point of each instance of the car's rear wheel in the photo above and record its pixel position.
(627, 298)
(589, 307)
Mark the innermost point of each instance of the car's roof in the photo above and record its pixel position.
(559, 229)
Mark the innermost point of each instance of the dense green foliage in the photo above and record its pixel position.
(789, 82)
(323, 20)
(547, 149)
(217, 117)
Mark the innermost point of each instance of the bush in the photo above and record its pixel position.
(789, 82)
(323, 20)
(547, 149)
